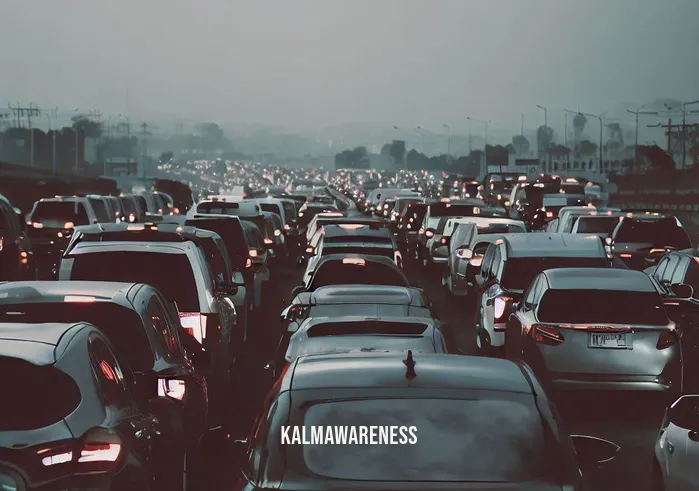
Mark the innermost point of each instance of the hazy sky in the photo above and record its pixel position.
(312, 63)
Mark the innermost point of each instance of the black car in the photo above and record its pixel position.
(438, 422)
(75, 420)
(144, 329)
(17, 261)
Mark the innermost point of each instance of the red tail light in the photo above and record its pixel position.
(399, 259)
(500, 308)
(669, 337)
(626, 256)
(547, 335)
(476, 261)
(444, 240)
(194, 324)
(98, 452)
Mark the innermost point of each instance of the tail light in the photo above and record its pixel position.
(464, 253)
(549, 214)
(500, 307)
(476, 261)
(55, 455)
(277, 233)
(547, 335)
(626, 255)
(194, 325)
(268, 241)
(37, 224)
(310, 250)
(253, 252)
(287, 226)
(97, 452)
(248, 263)
(399, 259)
(172, 388)
(444, 240)
(23, 258)
(429, 234)
(669, 336)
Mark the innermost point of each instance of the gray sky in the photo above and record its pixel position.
(312, 63)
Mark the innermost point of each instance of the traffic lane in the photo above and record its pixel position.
(614, 417)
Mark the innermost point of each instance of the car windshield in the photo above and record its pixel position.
(172, 274)
(41, 395)
(602, 307)
(469, 433)
(596, 225)
(520, 271)
(656, 232)
(232, 234)
(357, 273)
(121, 325)
(55, 214)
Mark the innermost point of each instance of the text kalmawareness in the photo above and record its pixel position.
(349, 435)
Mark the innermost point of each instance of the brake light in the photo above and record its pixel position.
(23, 256)
(37, 225)
(421, 231)
(547, 335)
(500, 307)
(476, 261)
(68, 225)
(53, 456)
(100, 452)
(444, 240)
(429, 234)
(277, 233)
(194, 324)
(399, 259)
(310, 250)
(268, 241)
(172, 388)
(287, 226)
(464, 253)
(549, 214)
(626, 255)
(248, 263)
(355, 261)
(669, 336)
(253, 252)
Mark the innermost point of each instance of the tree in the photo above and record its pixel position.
(166, 156)
(579, 123)
(585, 148)
(87, 126)
(398, 153)
(210, 137)
(544, 138)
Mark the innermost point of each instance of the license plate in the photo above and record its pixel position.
(609, 340)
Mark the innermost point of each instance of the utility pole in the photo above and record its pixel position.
(638, 112)
(547, 155)
(144, 148)
(485, 148)
(30, 111)
(685, 135)
(52, 116)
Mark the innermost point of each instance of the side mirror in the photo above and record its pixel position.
(682, 290)
(202, 361)
(298, 289)
(684, 412)
(592, 451)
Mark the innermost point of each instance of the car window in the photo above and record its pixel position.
(673, 261)
(487, 260)
(692, 276)
(680, 270)
(496, 265)
(366, 273)
(530, 294)
(520, 271)
(108, 373)
(53, 395)
(55, 214)
(481, 247)
(100, 209)
(473, 427)
(660, 269)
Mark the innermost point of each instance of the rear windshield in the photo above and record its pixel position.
(219, 208)
(128, 204)
(261, 223)
(356, 249)
(231, 231)
(602, 307)
(376, 310)
(572, 189)
(657, 232)
(469, 434)
(366, 327)
(55, 214)
(289, 210)
(520, 271)
(142, 203)
(561, 200)
(122, 326)
(371, 273)
(449, 210)
(172, 274)
(596, 225)
(52, 397)
(271, 207)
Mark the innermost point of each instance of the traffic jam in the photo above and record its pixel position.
(533, 336)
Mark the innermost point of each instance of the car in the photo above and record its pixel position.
(551, 204)
(180, 272)
(133, 212)
(279, 246)
(442, 407)
(352, 239)
(409, 226)
(231, 230)
(50, 225)
(401, 204)
(677, 446)
(310, 210)
(353, 269)
(17, 261)
(287, 212)
(325, 335)
(210, 242)
(259, 258)
(144, 330)
(373, 198)
(225, 206)
(467, 244)
(508, 267)
(100, 205)
(563, 223)
(640, 240)
(75, 420)
(323, 219)
(596, 329)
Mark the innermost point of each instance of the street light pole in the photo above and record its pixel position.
(637, 112)
(684, 130)
(547, 156)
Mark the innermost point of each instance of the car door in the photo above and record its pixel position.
(493, 288)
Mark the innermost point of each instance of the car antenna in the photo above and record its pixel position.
(410, 363)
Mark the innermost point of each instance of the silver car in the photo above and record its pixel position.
(677, 447)
(597, 329)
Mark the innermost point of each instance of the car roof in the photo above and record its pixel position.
(55, 291)
(599, 279)
(35, 343)
(546, 244)
(369, 294)
(387, 370)
(333, 231)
